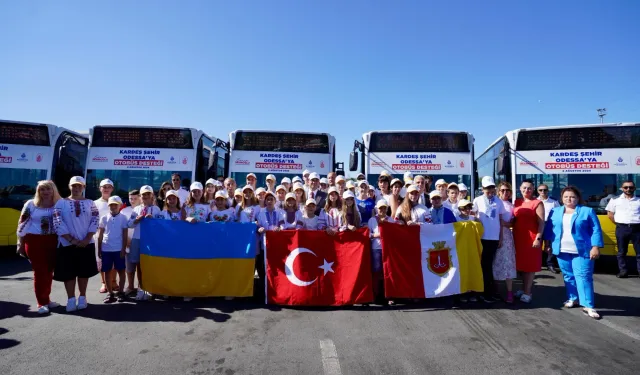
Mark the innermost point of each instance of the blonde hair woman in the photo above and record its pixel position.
(37, 240)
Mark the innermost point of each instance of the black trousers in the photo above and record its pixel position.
(489, 248)
(624, 235)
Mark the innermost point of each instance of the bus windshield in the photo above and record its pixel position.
(18, 186)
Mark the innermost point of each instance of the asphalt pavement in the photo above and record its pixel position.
(243, 336)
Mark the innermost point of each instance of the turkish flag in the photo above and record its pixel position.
(307, 267)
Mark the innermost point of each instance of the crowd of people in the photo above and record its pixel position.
(72, 239)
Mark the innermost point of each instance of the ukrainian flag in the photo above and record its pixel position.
(197, 260)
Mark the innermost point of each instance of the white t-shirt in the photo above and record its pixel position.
(251, 212)
(374, 229)
(489, 212)
(127, 211)
(174, 216)
(419, 214)
(311, 223)
(103, 206)
(183, 195)
(468, 218)
(112, 235)
(450, 205)
(154, 211)
(199, 211)
(625, 211)
(222, 216)
(549, 204)
(567, 243)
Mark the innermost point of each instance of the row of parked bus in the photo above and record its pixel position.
(596, 158)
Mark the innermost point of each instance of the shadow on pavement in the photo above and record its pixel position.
(7, 343)
(11, 309)
(13, 266)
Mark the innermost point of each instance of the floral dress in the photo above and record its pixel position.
(504, 263)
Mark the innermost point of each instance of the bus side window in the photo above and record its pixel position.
(70, 160)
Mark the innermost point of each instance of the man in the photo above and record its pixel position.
(305, 176)
(424, 199)
(315, 193)
(106, 188)
(332, 179)
(341, 185)
(441, 186)
(183, 194)
(624, 212)
(549, 204)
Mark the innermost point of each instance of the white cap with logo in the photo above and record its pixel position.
(488, 181)
(115, 200)
(195, 186)
(77, 180)
(146, 189)
(106, 181)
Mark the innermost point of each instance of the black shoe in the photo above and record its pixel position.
(622, 275)
(487, 299)
(553, 269)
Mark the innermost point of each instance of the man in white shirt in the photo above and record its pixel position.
(624, 212)
(549, 204)
(176, 182)
(491, 213)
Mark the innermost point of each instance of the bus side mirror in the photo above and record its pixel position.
(353, 161)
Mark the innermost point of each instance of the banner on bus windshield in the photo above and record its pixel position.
(25, 157)
(420, 162)
(595, 161)
(161, 159)
(279, 162)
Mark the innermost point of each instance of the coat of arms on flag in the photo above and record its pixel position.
(439, 258)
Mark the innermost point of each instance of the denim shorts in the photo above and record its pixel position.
(111, 260)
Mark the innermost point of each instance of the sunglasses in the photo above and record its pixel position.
(628, 187)
(504, 190)
(543, 190)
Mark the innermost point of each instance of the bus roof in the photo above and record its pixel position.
(144, 126)
(276, 131)
(416, 131)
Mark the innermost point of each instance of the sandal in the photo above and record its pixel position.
(591, 312)
(109, 298)
(103, 288)
(570, 303)
(121, 297)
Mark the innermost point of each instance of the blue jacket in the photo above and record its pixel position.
(585, 229)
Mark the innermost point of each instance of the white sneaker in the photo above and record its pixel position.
(43, 310)
(188, 299)
(71, 304)
(82, 303)
(140, 295)
(518, 294)
(53, 305)
(570, 303)
(526, 298)
(591, 312)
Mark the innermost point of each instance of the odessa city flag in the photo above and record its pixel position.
(431, 260)
(314, 268)
(197, 260)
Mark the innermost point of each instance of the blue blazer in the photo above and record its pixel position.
(585, 229)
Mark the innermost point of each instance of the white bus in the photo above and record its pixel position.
(437, 153)
(596, 158)
(284, 154)
(133, 156)
(30, 152)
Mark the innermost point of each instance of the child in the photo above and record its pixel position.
(292, 217)
(309, 219)
(451, 201)
(112, 246)
(340, 185)
(324, 184)
(195, 210)
(172, 209)
(286, 182)
(364, 203)
(464, 211)
(281, 192)
(147, 209)
(220, 212)
(300, 195)
(330, 214)
(237, 199)
(351, 187)
(249, 205)
(372, 193)
(271, 183)
(134, 201)
(210, 191)
(350, 215)
(376, 247)
(106, 189)
(261, 193)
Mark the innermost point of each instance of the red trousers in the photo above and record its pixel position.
(41, 250)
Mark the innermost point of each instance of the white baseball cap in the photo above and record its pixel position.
(220, 194)
(289, 196)
(385, 173)
(371, 187)
(269, 193)
(309, 201)
(106, 181)
(350, 184)
(217, 183)
(462, 187)
(463, 203)
(298, 187)
(408, 175)
(271, 177)
(323, 180)
(360, 175)
(440, 182)
(171, 192)
(488, 181)
(195, 186)
(247, 187)
(360, 182)
(286, 180)
(252, 175)
(146, 189)
(280, 187)
(260, 190)
(237, 192)
(339, 178)
(453, 184)
(434, 194)
(382, 203)
(408, 180)
(314, 176)
(306, 172)
(77, 180)
(210, 181)
(297, 179)
(348, 194)
(396, 181)
(332, 190)
(412, 188)
(115, 200)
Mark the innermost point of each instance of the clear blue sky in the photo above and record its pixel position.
(344, 67)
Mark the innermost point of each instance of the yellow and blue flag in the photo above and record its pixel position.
(197, 260)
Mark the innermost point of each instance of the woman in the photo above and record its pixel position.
(162, 194)
(410, 211)
(330, 214)
(574, 232)
(195, 209)
(37, 241)
(75, 220)
(249, 205)
(395, 200)
(504, 263)
(528, 227)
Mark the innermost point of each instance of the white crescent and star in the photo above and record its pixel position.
(288, 267)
